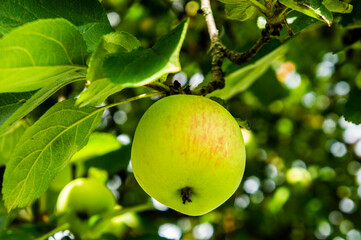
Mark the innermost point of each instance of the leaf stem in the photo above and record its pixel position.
(158, 86)
(55, 230)
(260, 6)
(144, 95)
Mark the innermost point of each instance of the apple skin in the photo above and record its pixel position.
(82, 199)
(188, 153)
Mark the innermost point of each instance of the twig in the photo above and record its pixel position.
(217, 80)
(158, 86)
(243, 57)
(144, 95)
(211, 25)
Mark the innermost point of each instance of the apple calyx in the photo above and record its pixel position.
(185, 194)
(82, 215)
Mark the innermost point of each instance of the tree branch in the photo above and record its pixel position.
(211, 25)
(243, 57)
(217, 80)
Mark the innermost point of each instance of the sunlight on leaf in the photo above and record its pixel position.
(45, 149)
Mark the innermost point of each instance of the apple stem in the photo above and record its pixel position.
(186, 193)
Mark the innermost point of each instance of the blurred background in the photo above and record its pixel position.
(303, 170)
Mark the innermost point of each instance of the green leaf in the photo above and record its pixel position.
(98, 145)
(107, 162)
(337, 6)
(100, 88)
(142, 66)
(92, 33)
(244, 123)
(117, 42)
(232, 1)
(25, 107)
(220, 101)
(297, 22)
(241, 79)
(53, 48)
(97, 92)
(312, 8)
(10, 102)
(10, 139)
(241, 11)
(45, 149)
(352, 108)
(88, 15)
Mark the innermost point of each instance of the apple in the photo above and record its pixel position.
(82, 199)
(188, 153)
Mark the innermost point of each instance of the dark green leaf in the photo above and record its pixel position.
(10, 102)
(220, 101)
(88, 15)
(337, 6)
(352, 109)
(297, 22)
(143, 66)
(45, 149)
(240, 12)
(39, 97)
(107, 162)
(244, 123)
(53, 49)
(312, 8)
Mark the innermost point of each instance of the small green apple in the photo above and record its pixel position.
(188, 153)
(82, 199)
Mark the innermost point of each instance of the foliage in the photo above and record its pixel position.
(69, 76)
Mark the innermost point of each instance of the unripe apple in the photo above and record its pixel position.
(188, 153)
(82, 199)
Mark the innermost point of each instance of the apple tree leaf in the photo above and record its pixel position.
(45, 149)
(337, 6)
(352, 108)
(232, 1)
(97, 92)
(142, 66)
(53, 49)
(88, 15)
(243, 123)
(241, 11)
(98, 145)
(100, 88)
(10, 139)
(106, 161)
(297, 22)
(112, 43)
(312, 8)
(10, 102)
(24, 106)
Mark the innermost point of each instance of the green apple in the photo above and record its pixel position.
(188, 153)
(82, 199)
